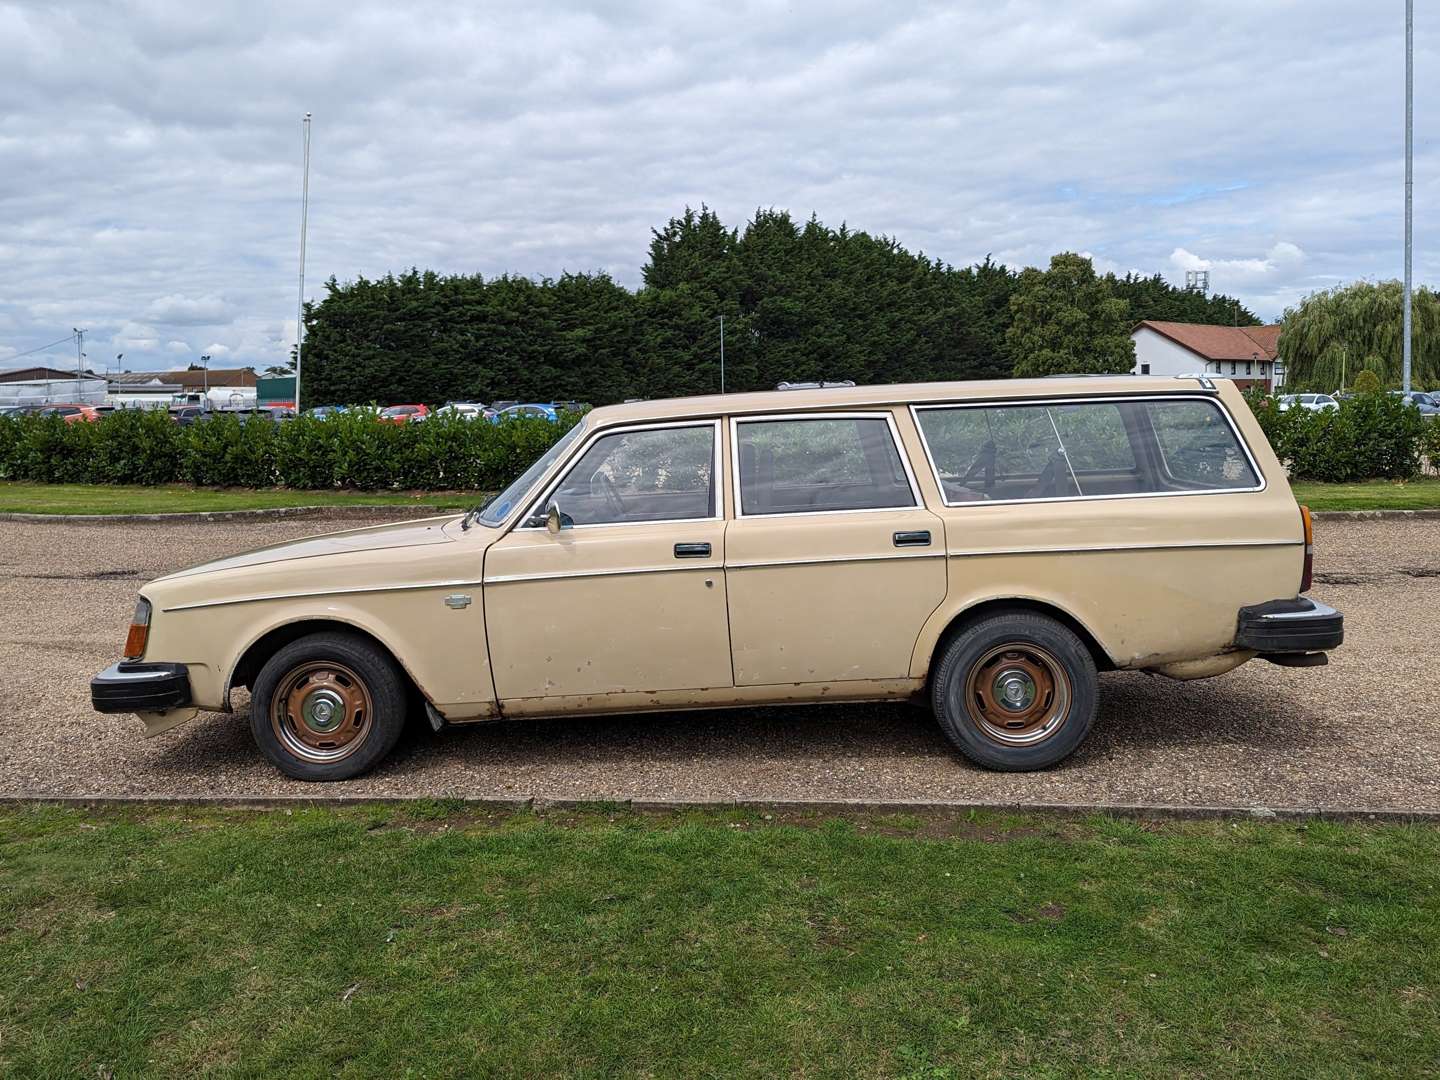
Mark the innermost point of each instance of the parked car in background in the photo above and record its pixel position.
(523, 412)
(1418, 399)
(1313, 402)
(573, 406)
(322, 412)
(464, 410)
(403, 414)
(186, 415)
(984, 547)
(72, 414)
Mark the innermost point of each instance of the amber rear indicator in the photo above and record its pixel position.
(1309, 570)
(139, 631)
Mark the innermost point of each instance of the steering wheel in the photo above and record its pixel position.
(611, 494)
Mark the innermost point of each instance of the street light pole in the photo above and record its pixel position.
(304, 214)
(722, 354)
(79, 360)
(205, 379)
(1409, 181)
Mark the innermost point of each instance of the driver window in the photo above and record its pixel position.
(663, 474)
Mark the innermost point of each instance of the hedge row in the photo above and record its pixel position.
(1371, 436)
(345, 451)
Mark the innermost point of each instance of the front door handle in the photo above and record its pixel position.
(919, 538)
(692, 551)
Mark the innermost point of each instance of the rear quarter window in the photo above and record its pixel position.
(1020, 452)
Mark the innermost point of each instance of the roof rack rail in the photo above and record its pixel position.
(1089, 375)
(1200, 377)
(822, 385)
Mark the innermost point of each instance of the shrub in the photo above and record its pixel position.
(1372, 435)
(351, 450)
(1366, 382)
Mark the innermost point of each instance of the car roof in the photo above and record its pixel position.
(863, 397)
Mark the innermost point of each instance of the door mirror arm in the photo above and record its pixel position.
(556, 519)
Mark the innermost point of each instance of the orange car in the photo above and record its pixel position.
(403, 414)
(72, 413)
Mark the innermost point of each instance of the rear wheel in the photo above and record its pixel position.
(327, 707)
(1016, 691)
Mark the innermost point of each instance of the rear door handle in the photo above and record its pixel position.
(919, 538)
(692, 551)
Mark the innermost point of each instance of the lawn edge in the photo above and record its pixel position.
(541, 804)
(343, 510)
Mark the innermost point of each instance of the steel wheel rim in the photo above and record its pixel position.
(1018, 694)
(321, 711)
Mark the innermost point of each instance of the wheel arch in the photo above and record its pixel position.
(958, 621)
(255, 654)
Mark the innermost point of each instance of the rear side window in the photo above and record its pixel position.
(1099, 449)
(820, 464)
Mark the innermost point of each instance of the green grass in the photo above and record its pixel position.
(29, 498)
(1422, 493)
(18, 497)
(373, 941)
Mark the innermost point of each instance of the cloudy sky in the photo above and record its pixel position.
(149, 152)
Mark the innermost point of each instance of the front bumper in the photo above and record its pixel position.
(1300, 625)
(133, 686)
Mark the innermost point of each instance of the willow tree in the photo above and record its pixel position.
(1331, 336)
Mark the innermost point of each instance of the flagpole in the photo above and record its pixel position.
(300, 300)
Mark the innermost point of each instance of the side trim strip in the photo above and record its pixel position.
(320, 592)
(688, 567)
(1101, 548)
(834, 559)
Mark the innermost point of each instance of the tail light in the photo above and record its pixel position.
(139, 631)
(1308, 572)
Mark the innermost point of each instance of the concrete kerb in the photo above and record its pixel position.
(831, 808)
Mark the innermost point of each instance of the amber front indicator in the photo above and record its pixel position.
(139, 630)
(1309, 570)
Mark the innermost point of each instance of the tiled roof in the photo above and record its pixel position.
(190, 380)
(1220, 342)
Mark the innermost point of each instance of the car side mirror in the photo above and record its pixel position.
(556, 519)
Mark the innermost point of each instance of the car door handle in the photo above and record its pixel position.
(692, 551)
(919, 538)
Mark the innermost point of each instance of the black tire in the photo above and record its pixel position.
(331, 673)
(979, 691)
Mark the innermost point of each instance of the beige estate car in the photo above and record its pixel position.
(987, 546)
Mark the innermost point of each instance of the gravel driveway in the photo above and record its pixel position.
(1363, 732)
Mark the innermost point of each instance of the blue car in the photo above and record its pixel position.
(324, 412)
(533, 412)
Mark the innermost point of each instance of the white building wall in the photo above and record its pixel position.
(1163, 355)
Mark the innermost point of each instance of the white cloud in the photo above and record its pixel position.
(156, 185)
(179, 310)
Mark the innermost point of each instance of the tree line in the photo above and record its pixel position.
(800, 301)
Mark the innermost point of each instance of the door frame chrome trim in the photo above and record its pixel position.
(569, 466)
(888, 415)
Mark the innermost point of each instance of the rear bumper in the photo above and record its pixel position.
(134, 686)
(1300, 625)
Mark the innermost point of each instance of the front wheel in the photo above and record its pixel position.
(327, 707)
(1015, 691)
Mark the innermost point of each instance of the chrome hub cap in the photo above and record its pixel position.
(1014, 690)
